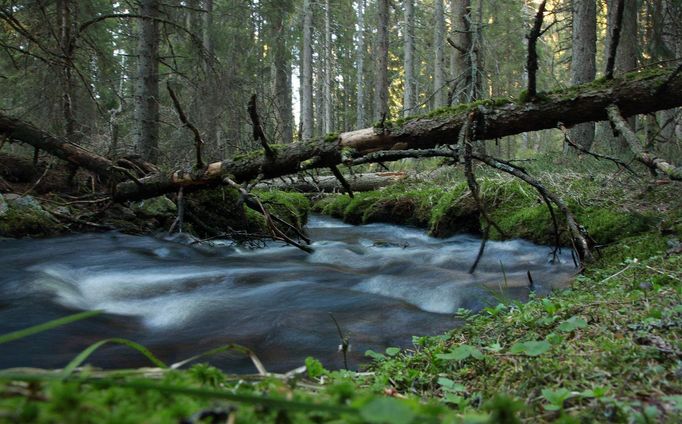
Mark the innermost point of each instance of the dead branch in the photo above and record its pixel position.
(597, 156)
(532, 64)
(466, 137)
(198, 141)
(615, 39)
(652, 162)
(579, 235)
(339, 176)
(258, 133)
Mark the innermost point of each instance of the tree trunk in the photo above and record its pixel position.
(583, 64)
(282, 67)
(327, 88)
(626, 56)
(381, 73)
(307, 72)
(360, 99)
(409, 98)
(439, 89)
(460, 61)
(147, 85)
(330, 184)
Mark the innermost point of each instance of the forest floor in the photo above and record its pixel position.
(607, 349)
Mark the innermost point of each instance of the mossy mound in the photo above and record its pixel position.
(290, 207)
(23, 216)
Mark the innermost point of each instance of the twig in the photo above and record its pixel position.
(181, 212)
(33, 187)
(615, 39)
(258, 133)
(578, 147)
(198, 141)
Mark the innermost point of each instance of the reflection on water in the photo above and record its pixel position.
(383, 283)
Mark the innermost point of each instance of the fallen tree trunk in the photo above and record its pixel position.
(330, 184)
(633, 93)
(17, 130)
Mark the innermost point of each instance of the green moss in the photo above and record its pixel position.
(288, 206)
(331, 137)
(27, 221)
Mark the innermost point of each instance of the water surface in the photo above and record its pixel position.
(383, 283)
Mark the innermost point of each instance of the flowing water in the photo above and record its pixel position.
(383, 283)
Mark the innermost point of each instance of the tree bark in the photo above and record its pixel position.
(381, 74)
(147, 85)
(460, 61)
(439, 89)
(583, 63)
(327, 83)
(360, 95)
(282, 68)
(409, 98)
(307, 72)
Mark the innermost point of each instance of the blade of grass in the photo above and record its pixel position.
(78, 360)
(245, 350)
(292, 405)
(20, 334)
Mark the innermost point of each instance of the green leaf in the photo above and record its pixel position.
(451, 386)
(314, 367)
(374, 355)
(556, 398)
(387, 410)
(392, 351)
(20, 334)
(554, 339)
(78, 360)
(532, 348)
(461, 353)
(572, 324)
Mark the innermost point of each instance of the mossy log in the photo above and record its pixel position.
(634, 93)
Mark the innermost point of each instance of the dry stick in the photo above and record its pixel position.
(466, 137)
(598, 156)
(181, 212)
(532, 64)
(258, 133)
(652, 162)
(615, 39)
(198, 141)
(342, 180)
(345, 342)
(33, 187)
(255, 204)
(579, 234)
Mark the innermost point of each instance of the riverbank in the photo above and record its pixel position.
(607, 349)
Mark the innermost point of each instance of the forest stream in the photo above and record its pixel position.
(383, 283)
